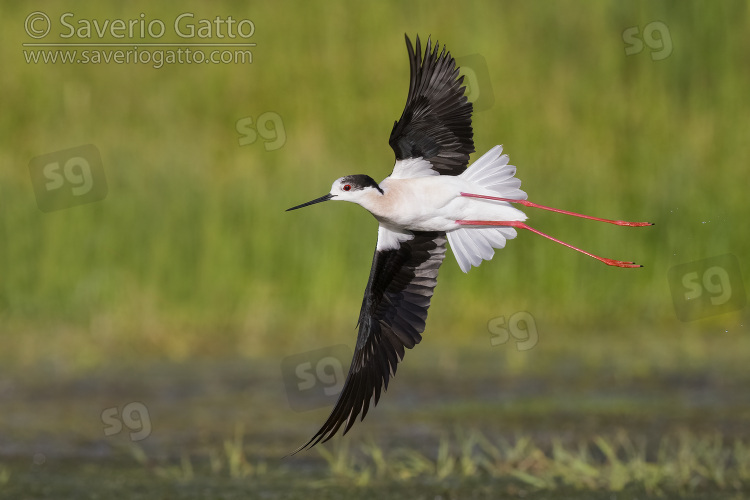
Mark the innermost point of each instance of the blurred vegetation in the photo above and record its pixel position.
(683, 463)
(467, 465)
(191, 253)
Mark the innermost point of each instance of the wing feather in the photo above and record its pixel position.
(392, 318)
(436, 122)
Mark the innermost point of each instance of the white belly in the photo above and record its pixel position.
(435, 204)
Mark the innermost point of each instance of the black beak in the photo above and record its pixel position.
(322, 198)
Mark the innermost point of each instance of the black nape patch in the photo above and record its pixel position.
(361, 181)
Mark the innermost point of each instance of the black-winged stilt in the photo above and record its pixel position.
(430, 198)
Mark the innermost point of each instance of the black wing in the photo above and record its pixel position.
(393, 315)
(436, 122)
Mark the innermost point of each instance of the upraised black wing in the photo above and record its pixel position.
(436, 122)
(393, 315)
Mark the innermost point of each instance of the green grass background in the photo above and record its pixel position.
(191, 253)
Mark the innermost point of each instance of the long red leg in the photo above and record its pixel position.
(522, 225)
(535, 205)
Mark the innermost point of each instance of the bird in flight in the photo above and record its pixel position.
(430, 198)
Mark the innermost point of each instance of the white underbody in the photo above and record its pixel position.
(435, 204)
(416, 198)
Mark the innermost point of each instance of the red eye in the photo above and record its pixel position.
(347, 187)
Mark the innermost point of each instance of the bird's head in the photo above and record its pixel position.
(354, 188)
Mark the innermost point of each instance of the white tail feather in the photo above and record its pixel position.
(493, 176)
(493, 173)
(473, 245)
